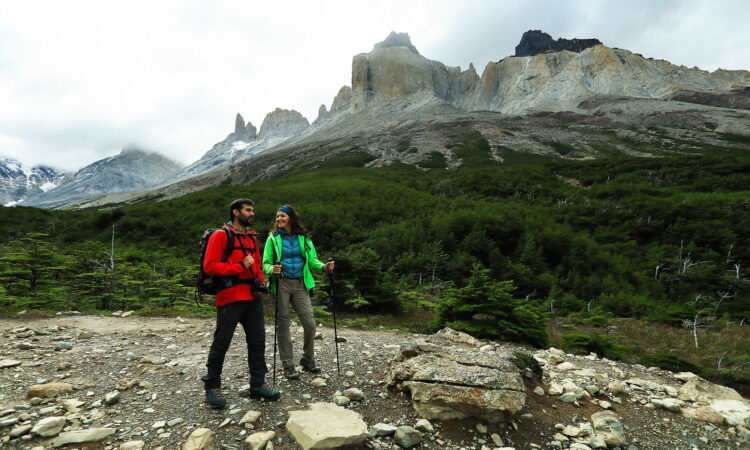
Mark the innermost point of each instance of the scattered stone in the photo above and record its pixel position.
(424, 425)
(82, 436)
(72, 405)
(199, 439)
(685, 376)
(486, 348)
(158, 424)
(341, 400)
(539, 390)
(349, 374)
(571, 431)
(20, 431)
(607, 424)
(174, 422)
(407, 437)
(49, 389)
(127, 314)
(249, 417)
(325, 425)
(579, 446)
(384, 429)
(354, 394)
(597, 442)
(8, 422)
(569, 397)
(126, 383)
(155, 360)
(670, 404)
(63, 346)
(458, 337)
(318, 336)
(565, 366)
(49, 426)
(112, 397)
(496, 439)
(617, 388)
(318, 382)
(5, 363)
(605, 404)
(258, 441)
(482, 428)
(132, 445)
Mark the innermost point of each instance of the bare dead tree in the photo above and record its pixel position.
(718, 366)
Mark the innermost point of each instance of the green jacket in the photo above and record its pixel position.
(273, 248)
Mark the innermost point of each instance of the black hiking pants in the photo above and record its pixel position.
(250, 315)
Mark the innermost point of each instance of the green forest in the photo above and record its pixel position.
(496, 249)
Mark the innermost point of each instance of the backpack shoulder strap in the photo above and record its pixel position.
(230, 243)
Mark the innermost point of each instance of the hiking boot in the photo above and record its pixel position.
(216, 398)
(263, 391)
(290, 372)
(309, 366)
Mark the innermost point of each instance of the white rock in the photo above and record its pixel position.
(82, 436)
(258, 441)
(555, 389)
(423, 425)
(735, 412)
(112, 397)
(482, 428)
(571, 431)
(318, 382)
(565, 366)
(354, 394)
(341, 400)
(384, 429)
(486, 348)
(49, 426)
(159, 424)
(200, 438)
(670, 404)
(249, 417)
(326, 425)
(132, 445)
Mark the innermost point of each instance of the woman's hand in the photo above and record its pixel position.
(277, 269)
(328, 267)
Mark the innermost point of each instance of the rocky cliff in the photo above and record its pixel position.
(553, 80)
(17, 183)
(278, 126)
(131, 170)
(534, 42)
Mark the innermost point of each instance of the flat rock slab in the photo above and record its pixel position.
(326, 425)
(456, 380)
(9, 363)
(49, 389)
(82, 436)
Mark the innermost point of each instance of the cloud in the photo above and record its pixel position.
(83, 79)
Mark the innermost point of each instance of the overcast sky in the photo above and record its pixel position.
(80, 80)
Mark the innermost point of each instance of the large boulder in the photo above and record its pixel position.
(458, 381)
(700, 390)
(325, 425)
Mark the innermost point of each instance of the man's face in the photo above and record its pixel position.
(246, 215)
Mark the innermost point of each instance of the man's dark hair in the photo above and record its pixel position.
(238, 205)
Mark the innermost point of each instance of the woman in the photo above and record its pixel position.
(289, 256)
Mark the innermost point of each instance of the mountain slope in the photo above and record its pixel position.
(131, 170)
(17, 183)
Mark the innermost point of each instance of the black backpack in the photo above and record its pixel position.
(207, 284)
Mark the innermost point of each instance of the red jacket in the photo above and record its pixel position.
(213, 265)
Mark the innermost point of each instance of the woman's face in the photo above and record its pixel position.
(282, 220)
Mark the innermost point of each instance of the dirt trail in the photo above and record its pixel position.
(165, 357)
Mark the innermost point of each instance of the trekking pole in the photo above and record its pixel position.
(335, 333)
(275, 321)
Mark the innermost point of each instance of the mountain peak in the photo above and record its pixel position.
(397, 40)
(534, 42)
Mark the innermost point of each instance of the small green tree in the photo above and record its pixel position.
(486, 308)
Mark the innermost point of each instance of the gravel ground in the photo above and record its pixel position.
(163, 359)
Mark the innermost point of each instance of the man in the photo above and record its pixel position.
(238, 301)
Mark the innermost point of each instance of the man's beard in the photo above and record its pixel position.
(245, 222)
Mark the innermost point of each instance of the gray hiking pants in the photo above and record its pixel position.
(292, 290)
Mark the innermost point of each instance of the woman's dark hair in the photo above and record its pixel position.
(238, 205)
(297, 227)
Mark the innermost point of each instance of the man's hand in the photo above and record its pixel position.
(248, 261)
(328, 267)
(277, 269)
